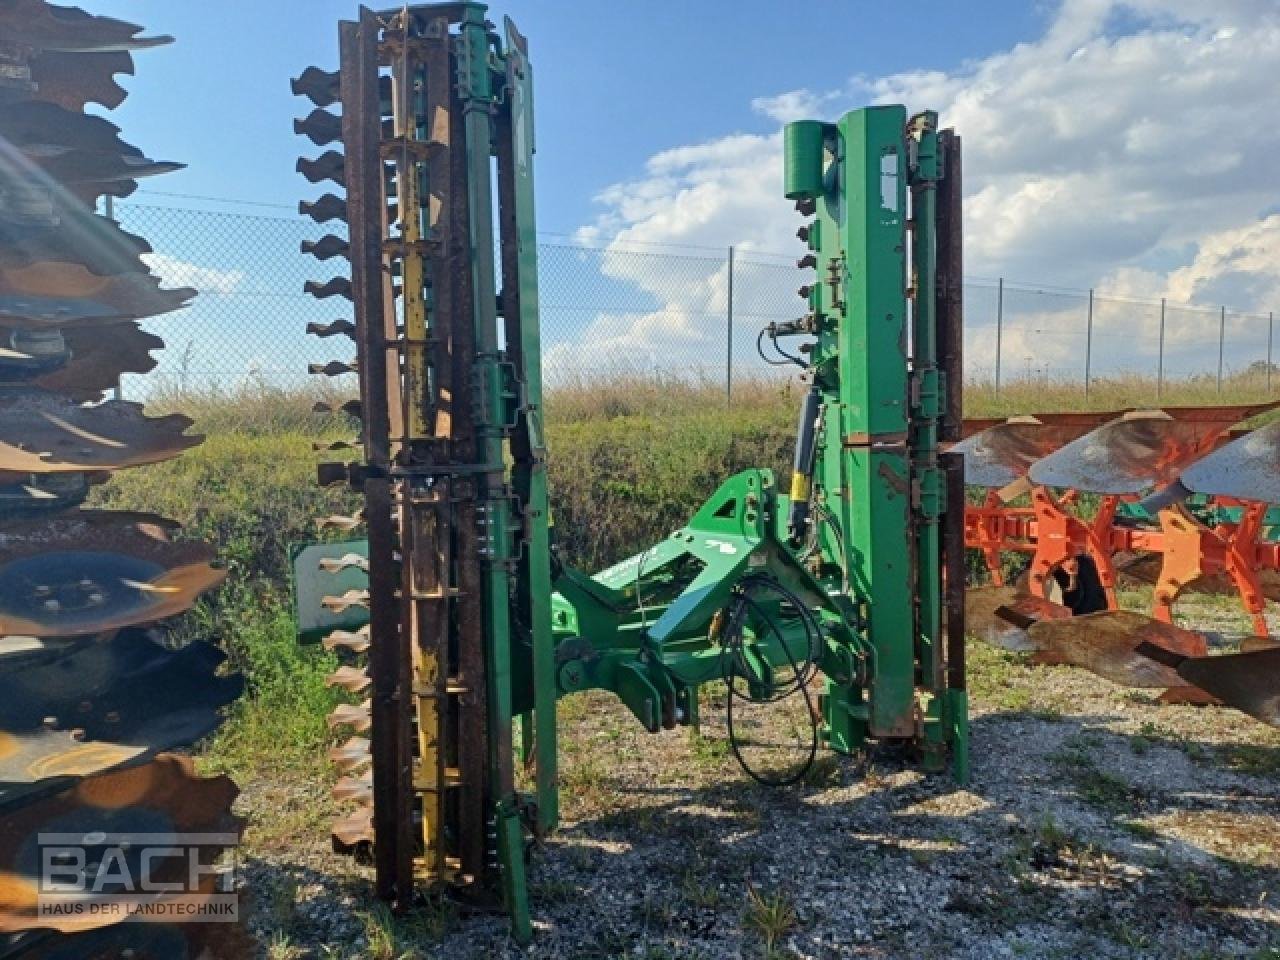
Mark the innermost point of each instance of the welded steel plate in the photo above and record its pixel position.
(1250, 682)
(162, 797)
(44, 26)
(1247, 468)
(1002, 454)
(1140, 450)
(1106, 643)
(1000, 616)
(89, 360)
(89, 571)
(42, 432)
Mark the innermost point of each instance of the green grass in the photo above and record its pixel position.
(631, 458)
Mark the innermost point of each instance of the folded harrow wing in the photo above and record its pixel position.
(90, 690)
(453, 613)
(1177, 496)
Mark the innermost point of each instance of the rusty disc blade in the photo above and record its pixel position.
(1001, 454)
(122, 297)
(42, 432)
(79, 362)
(83, 238)
(1000, 616)
(163, 797)
(49, 133)
(1140, 450)
(125, 692)
(1250, 681)
(44, 26)
(1247, 468)
(140, 941)
(1106, 643)
(89, 571)
(72, 80)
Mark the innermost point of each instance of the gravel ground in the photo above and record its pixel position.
(1097, 824)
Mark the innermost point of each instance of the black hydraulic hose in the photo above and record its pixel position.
(802, 464)
(803, 669)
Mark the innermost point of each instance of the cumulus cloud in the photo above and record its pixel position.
(176, 272)
(1126, 149)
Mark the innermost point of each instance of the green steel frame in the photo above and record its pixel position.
(859, 544)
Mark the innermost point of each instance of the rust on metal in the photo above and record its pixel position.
(37, 25)
(107, 702)
(1250, 681)
(123, 297)
(350, 754)
(72, 80)
(1106, 643)
(79, 237)
(357, 641)
(1139, 450)
(355, 716)
(1000, 616)
(89, 571)
(88, 363)
(1003, 453)
(351, 679)
(42, 432)
(164, 795)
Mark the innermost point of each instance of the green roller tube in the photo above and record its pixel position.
(802, 152)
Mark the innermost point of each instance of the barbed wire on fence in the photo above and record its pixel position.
(645, 309)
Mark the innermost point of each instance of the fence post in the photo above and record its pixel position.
(1088, 346)
(1271, 329)
(999, 327)
(1160, 359)
(728, 362)
(110, 210)
(1222, 336)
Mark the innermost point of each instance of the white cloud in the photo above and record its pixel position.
(1127, 149)
(174, 272)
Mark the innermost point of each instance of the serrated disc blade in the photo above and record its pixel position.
(97, 358)
(352, 831)
(124, 692)
(44, 26)
(88, 240)
(1106, 643)
(1140, 450)
(163, 796)
(1002, 453)
(42, 432)
(351, 679)
(1247, 468)
(89, 571)
(356, 716)
(1250, 682)
(123, 297)
(72, 80)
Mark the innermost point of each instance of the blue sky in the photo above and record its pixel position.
(616, 81)
(1109, 144)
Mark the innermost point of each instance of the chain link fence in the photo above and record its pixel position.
(689, 313)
